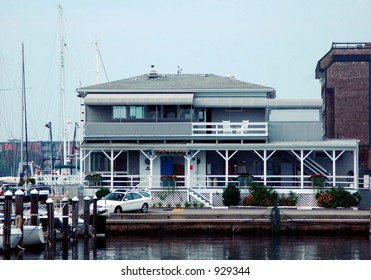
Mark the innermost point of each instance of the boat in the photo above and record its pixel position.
(33, 236)
(15, 237)
(58, 220)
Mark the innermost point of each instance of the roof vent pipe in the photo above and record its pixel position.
(152, 72)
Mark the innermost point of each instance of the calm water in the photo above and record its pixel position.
(203, 247)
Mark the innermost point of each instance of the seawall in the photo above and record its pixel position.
(240, 221)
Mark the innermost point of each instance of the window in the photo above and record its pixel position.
(136, 112)
(185, 112)
(119, 112)
(151, 112)
(170, 112)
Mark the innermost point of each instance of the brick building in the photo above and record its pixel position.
(345, 76)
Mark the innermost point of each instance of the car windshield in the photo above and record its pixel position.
(145, 194)
(114, 196)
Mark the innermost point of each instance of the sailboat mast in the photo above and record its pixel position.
(24, 123)
(62, 85)
(97, 62)
(22, 119)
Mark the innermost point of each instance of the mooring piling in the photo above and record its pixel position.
(19, 197)
(65, 212)
(34, 211)
(50, 211)
(75, 217)
(86, 216)
(7, 221)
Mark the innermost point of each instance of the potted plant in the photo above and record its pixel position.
(168, 181)
(318, 180)
(244, 179)
(94, 178)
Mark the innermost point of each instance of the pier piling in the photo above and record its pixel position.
(19, 197)
(7, 222)
(65, 212)
(50, 211)
(75, 217)
(86, 216)
(34, 211)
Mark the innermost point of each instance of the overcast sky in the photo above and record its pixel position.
(274, 43)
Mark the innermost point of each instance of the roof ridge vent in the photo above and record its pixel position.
(152, 74)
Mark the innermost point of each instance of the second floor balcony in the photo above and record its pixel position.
(177, 130)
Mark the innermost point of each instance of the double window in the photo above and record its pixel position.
(153, 112)
(128, 112)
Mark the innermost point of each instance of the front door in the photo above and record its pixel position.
(166, 165)
(173, 165)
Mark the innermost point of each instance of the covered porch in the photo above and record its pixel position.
(279, 165)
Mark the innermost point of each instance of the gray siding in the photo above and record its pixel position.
(295, 131)
(101, 113)
(251, 114)
(137, 129)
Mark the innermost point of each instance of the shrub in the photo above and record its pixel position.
(231, 195)
(337, 197)
(260, 195)
(195, 204)
(291, 199)
(102, 192)
(325, 199)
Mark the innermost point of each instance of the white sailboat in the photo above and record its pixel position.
(32, 235)
(15, 237)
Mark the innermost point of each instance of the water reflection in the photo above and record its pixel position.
(206, 247)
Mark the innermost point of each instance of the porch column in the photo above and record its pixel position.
(355, 166)
(226, 171)
(302, 169)
(112, 160)
(302, 157)
(264, 158)
(226, 158)
(189, 156)
(334, 158)
(83, 157)
(149, 155)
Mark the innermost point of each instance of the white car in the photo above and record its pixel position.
(118, 202)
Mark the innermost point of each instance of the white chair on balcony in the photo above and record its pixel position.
(244, 127)
(227, 127)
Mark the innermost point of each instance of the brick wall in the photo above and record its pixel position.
(346, 98)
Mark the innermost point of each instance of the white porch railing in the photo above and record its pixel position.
(226, 128)
(197, 183)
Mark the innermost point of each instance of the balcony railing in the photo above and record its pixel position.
(226, 128)
(144, 130)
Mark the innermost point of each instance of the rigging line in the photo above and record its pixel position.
(101, 60)
(77, 61)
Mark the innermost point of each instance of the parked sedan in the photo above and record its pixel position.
(118, 202)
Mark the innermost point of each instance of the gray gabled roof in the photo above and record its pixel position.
(176, 82)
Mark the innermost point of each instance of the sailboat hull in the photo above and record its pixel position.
(15, 237)
(33, 236)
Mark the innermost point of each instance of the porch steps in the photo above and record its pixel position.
(365, 203)
(199, 197)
